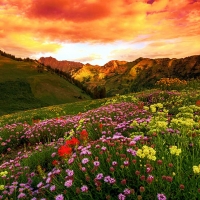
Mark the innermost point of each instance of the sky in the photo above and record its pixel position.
(97, 31)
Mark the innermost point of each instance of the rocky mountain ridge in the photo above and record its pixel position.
(122, 76)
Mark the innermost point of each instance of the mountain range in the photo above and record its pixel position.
(27, 83)
(120, 77)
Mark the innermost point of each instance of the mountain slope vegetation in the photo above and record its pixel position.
(24, 85)
(121, 77)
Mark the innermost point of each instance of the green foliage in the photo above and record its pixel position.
(41, 156)
(16, 96)
(24, 87)
(50, 112)
(154, 151)
(122, 98)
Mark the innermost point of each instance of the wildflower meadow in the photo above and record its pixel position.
(136, 146)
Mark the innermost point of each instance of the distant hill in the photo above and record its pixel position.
(25, 84)
(121, 77)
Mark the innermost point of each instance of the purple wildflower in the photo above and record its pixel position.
(52, 188)
(85, 160)
(114, 163)
(96, 163)
(161, 197)
(107, 179)
(39, 184)
(15, 183)
(132, 151)
(21, 195)
(121, 196)
(85, 152)
(70, 161)
(103, 148)
(83, 169)
(112, 181)
(48, 180)
(127, 191)
(70, 172)
(68, 183)
(21, 189)
(32, 174)
(84, 188)
(137, 137)
(57, 171)
(148, 169)
(99, 176)
(53, 154)
(126, 162)
(59, 197)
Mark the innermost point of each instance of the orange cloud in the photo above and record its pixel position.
(42, 26)
(75, 10)
(177, 48)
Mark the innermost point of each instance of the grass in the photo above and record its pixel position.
(50, 112)
(135, 146)
(23, 88)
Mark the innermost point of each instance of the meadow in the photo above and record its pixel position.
(24, 86)
(138, 146)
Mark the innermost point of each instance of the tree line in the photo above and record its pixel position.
(98, 92)
(2, 53)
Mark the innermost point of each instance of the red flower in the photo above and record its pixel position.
(73, 142)
(150, 179)
(100, 126)
(55, 162)
(137, 173)
(169, 178)
(123, 182)
(140, 105)
(84, 135)
(198, 103)
(142, 189)
(64, 151)
(181, 186)
(142, 178)
(159, 162)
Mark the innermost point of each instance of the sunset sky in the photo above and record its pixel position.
(96, 31)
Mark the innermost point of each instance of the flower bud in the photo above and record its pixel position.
(137, 173)
(182, 187)
(142, 189)
(142, 178)
(123, 182)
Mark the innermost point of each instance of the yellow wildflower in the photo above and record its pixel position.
(196, 169)
(153, 108)
(178, 151)
(3, 173)
(147, 152)
(1, 187)
(174, 150)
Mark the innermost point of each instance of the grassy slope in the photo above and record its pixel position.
(51, 111)
(22, 87)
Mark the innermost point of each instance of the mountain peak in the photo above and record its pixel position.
(61, 65)
(118, 77)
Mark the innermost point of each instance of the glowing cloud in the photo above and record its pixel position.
(145, 28)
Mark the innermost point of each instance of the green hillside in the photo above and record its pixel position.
(23, 87)
(145, 144)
